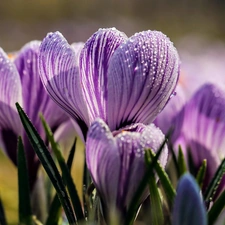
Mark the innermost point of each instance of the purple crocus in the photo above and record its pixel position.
(116, 161)
(119, 79)
(203, 128)
(20, 82)
(189, 208)
(166, 119)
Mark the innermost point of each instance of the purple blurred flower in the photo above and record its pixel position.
(188, 207)
(202, 128)
(121, 80)
(116, 161)
(166, 119)
(20, 82)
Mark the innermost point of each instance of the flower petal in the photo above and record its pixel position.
(117, 163)
(143, 74)
(167, 118)
(204, 119)
(35, 98)
(103, 160)
(203, 129)
(94, 63)
(188, 195)
(10, 93)
(58, 65)
(131, 147)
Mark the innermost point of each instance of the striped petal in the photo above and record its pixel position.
(116, 160)
(188, 207)
(35, 98)
(204, 119)
(143, 74)
(58, 65)
(203, 129)
(94, 63)
(10, 93)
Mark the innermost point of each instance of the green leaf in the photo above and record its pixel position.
(66, 173)
(25, 212)
(54, 212)
(2, 214)
(165, 181)
(155, 201)
(214, 183)
(133, 208)
(48, 164)
(55, 208)
(201, 173)
(174, 159)
(216, 209)
(181, 162)
(87, 194)
(71, 155)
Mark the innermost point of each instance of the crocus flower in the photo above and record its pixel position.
(116, 161)
(188, 206)
(203, 128)
(119, 79)
(20, 82)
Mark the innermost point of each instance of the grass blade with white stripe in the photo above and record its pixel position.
(48, 164)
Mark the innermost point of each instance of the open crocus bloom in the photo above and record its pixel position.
(20, 82)
(203, 128)
(116, 160)
(119, 79)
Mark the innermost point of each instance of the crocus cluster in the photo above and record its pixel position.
(115, 91)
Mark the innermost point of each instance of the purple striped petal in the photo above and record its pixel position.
(143, 74)
(35, 98)
(203, 129)
(94, 63)
(58, 65)
(116, 160)
(204, 119)
(188, 207)
(10, 93)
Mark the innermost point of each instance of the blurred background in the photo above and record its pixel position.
(23, 20)
(195, 26)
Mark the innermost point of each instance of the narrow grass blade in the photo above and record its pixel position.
(201, 173)
(25, 212)
(88, 188)
(48, 164)
(71, 155)
(165, 181)
(155, 201)
(174, 159)
(54, 212)
(2, 214)
(131, 213)
(55, 208)
(214, 183)
(181, 162)
(216, 209)
(66, 173)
